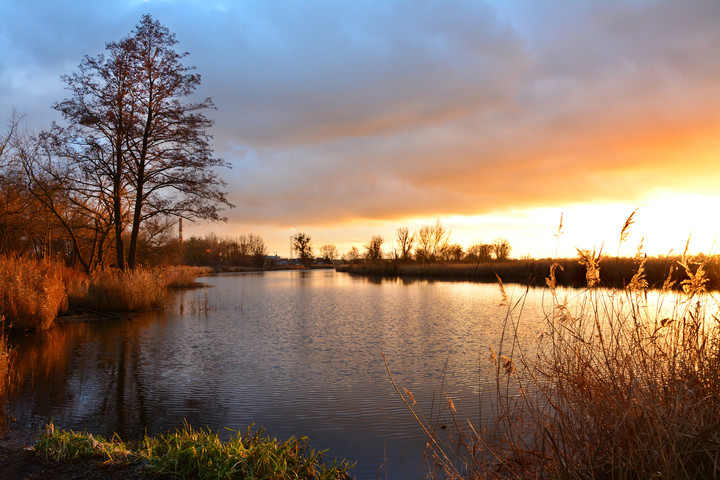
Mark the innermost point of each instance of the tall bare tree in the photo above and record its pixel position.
(152, 149)
(405, 241)
(303, 247)
(373, 250)
(431, 241)
(501, 248)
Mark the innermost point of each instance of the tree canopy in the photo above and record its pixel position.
(133, 141)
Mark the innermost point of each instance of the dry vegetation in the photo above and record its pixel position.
(621, 384)
(617, 272)
(34, 292)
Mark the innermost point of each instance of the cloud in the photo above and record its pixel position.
(337, 111)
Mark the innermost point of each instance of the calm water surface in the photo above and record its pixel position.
(299, 353)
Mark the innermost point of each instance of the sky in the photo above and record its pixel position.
(348, 119)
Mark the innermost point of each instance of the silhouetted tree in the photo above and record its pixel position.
(405, 242)
(303, 247)
(501, 248)
(431, 240)
(328, 253)
(150, 150)
(479, 252)
(373, 250)
(453, 253)
(352, 256)
(258, 250)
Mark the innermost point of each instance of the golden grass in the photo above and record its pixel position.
(619, 385)
(32, 293)
(183, 276)
(136, 290)
(132, 291)
(6, 370)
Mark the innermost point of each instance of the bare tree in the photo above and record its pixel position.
(431, 241)
(405, 241)
(18, 221)
(258, 250)
(373, 250)
(151, 149)
(501, 248)
(479, 252)
(8, 137)
(353, 255)
(328, 253)
(303, 247)
(69, 194)
(453, 253)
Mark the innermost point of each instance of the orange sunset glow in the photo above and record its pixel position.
(346, 120)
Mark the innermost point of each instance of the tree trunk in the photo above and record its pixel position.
(135, 224)
(117, 205)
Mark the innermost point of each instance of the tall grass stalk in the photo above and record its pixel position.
(619, 385)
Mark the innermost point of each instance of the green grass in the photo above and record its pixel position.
(198, 454)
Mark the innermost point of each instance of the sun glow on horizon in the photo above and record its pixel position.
(663, 222)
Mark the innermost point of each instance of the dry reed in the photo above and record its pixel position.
(136, 290)
(32, 293)
(6, 368)
(621, 385)
(183, 276)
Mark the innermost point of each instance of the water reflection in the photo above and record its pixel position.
(299, 353)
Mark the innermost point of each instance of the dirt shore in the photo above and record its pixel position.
(21, 464)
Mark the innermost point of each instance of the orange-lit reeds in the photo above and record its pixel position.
(620, 384)
(32, 293)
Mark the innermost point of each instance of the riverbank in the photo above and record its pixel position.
(18, 462)
(616, 272)
(185, 453)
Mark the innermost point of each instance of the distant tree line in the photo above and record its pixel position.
(429, 244)
(240, 251)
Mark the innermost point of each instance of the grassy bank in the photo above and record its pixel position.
(616, 272)
(33, 293)
(197, 454)
(619, 384)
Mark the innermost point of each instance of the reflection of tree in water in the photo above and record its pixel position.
(99, 377)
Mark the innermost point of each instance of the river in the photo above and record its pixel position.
(296, 352)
